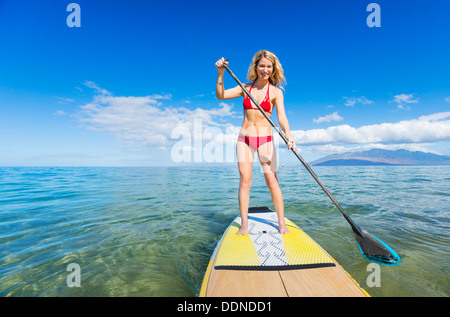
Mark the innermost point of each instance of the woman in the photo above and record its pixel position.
(266, 76)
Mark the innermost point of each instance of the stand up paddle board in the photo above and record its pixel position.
(264, 263)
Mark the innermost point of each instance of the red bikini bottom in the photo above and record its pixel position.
(255, 141)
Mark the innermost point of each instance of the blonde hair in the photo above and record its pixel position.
(277, 78)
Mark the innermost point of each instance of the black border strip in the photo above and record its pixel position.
(273, 267)
(255, 210)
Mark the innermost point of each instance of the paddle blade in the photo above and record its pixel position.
(376, 250)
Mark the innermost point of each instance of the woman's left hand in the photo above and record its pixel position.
(291, 144)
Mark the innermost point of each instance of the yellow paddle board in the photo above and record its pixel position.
(264, 263)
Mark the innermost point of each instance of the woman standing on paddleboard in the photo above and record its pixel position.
(266, 76)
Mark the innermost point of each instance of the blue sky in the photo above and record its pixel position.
(132, 84)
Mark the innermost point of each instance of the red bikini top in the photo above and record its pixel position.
(265, 104)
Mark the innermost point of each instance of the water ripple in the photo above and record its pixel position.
(151, 231)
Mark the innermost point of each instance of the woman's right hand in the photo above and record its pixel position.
(220, 63)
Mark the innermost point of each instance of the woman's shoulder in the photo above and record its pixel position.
(276, 90)
(247, 86)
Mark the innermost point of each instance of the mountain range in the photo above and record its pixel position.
(382, 157)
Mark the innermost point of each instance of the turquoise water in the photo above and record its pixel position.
(151, 231)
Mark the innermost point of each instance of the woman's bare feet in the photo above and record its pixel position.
(243, 230)
(284, 229)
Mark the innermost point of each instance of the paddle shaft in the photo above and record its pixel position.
(355, 227)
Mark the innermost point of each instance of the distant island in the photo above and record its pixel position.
(382, 157)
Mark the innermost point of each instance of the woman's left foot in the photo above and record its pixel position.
(284, 229)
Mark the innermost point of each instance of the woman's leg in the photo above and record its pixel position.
(245, 155)
(268, 158)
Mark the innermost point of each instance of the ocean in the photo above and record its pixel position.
(151, 231)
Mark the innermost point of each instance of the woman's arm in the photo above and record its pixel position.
(282, 119)
(221, 93)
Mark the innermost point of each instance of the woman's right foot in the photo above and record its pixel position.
(242, 231)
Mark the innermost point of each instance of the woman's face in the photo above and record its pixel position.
(264, 68)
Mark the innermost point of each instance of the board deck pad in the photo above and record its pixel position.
(264, 248)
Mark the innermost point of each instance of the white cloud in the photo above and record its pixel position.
(403, 99)
(147, 122)
(435, 117)
(93, 85)
(144, 121)
(59, 113)
(351, 101)
(63, 100)
(431, 128)
(328, 118)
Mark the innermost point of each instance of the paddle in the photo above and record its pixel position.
(370, 246)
